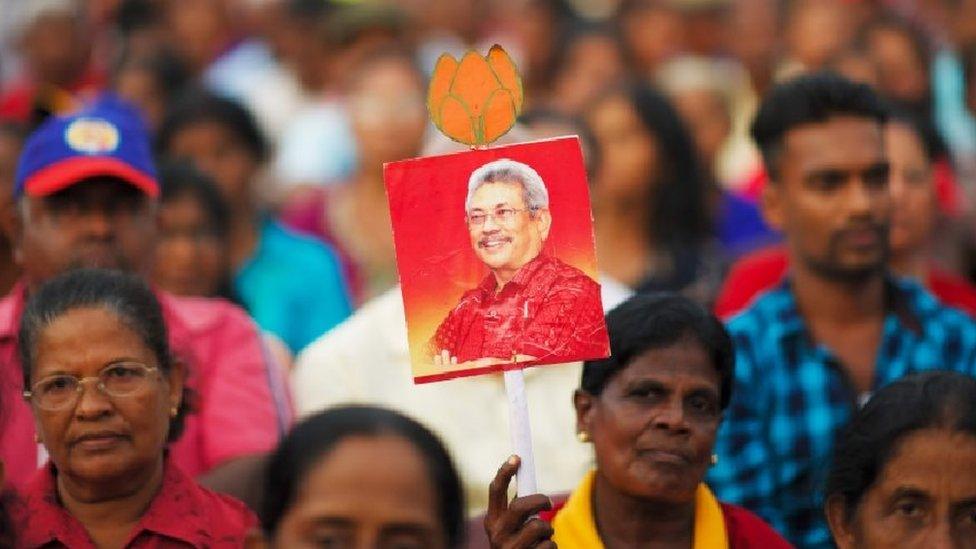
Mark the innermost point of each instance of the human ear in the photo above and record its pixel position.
(543, 220)
(583, 403)
(840, 527)
(772, 205)
(175, 378)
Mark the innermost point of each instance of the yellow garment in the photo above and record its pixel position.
(575, 526)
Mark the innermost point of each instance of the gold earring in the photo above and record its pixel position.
(173, 411)
(583, 437)
(714, 459)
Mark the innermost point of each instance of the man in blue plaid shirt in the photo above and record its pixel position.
(840, 326)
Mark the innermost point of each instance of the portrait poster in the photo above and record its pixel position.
(496, 259)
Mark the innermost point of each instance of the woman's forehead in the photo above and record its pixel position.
(86, 338)
(685, 359)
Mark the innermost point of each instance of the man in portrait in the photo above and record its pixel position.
(531, 307)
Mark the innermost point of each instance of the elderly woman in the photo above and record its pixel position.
(107, 397)
(651, 411)
(903, 473)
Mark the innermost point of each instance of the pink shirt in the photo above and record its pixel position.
(242, 406)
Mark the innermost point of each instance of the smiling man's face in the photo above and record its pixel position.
(505, 235)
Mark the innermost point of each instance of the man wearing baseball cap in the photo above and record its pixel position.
(86, 193)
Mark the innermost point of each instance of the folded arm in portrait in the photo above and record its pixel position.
(531, 306)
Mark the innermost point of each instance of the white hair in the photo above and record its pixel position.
(509, 171)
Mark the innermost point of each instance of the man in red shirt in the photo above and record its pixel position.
(531, 306)
(87, 196)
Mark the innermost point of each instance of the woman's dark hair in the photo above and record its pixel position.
(933, 400)
(679, 216)
(125, 295)
(183, 180)
(543, 115)
(654, 321)
(317, 436)
(197, 106)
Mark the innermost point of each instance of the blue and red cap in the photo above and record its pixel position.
(106, 138)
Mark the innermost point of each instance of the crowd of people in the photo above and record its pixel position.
(202, 339)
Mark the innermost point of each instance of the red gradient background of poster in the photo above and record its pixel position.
(434, 257)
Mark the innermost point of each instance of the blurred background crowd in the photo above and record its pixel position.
(271, 120)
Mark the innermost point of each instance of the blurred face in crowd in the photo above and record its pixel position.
(139, 86)
(925, 496)
(830, 197)
(56, 49)
(913, 201)
(96, 439)
(962, 21)
(903, 76)
(99, 223)
(190, 257)
(534, 25)
(389, 117)
(366, 493)
(705, 30)
(504, 233)
(817, 30)
(654, 424)
(628, 152)
(216, 151)
(653, 33)
(705, 114)
(593, 62)
(461, 18)
(753, 27)
(197, 29)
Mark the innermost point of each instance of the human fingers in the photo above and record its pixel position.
(498, 489)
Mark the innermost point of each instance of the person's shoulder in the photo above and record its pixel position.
(281, 238)
(229, 517)
(931, 311)
(745, 530)
(226, 507)
(953, 290)
(201, 314)
(767, 309)
(306, 254)
(9, 318)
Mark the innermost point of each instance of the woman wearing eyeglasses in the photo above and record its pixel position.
(107, 398)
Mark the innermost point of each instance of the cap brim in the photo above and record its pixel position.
(61, 175)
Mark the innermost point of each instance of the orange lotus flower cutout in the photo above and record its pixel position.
(477, 100)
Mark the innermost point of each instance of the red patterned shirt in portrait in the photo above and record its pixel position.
(549, 310)
(183, 515)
